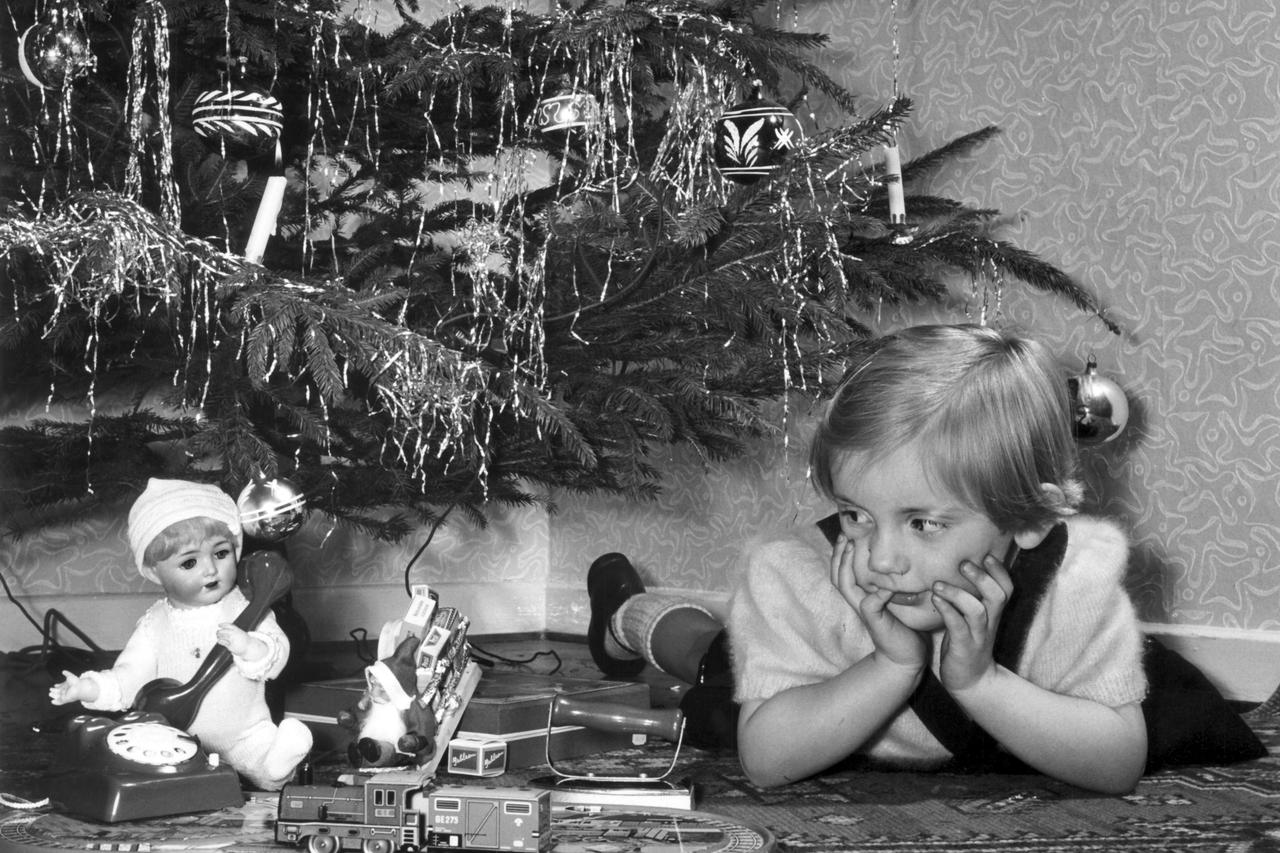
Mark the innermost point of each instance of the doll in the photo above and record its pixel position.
(187, 537)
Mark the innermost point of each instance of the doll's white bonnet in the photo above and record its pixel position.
(166, 502)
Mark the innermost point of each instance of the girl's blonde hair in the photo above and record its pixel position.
(180, 534)
(991, 410)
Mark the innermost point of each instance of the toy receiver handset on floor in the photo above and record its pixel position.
(640, 789)
(266, 578)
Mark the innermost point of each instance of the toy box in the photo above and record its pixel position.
(507, 706)
(475, 756)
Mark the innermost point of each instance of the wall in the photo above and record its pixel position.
(1139, 149)
(343, 581)
(1139, 153)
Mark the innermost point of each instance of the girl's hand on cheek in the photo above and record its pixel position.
(893, 640)
(971, 621)
(842, 570)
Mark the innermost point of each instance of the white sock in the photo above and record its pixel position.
(614, 641)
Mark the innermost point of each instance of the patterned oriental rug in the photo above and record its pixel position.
(1234, 809)
(1223, 809)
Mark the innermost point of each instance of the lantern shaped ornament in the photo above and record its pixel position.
(241, 120)
(52, 55)
(567, 112)
(754, 137)
(1101, 409)
(271, 509)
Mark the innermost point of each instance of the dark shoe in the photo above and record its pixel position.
(715, 668)
(611, 580)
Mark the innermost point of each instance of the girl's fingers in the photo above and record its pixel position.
(960, 611)
(840, 559)
(997, 572)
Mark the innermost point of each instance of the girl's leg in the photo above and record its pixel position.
(611, 581)
(630, 626)
(680, 639)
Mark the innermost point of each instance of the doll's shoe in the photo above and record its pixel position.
(611, 580)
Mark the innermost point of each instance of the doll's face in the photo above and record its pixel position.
(199, 572)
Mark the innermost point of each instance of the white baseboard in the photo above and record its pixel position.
(1244, 665)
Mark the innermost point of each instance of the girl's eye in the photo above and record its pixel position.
(927, 525)
(188, 564)
(852, 517)
(222, 553)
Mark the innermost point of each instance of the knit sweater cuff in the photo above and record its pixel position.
(109, 693)
(261, 669)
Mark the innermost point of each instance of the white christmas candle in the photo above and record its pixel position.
(264, 224)
(893, 182)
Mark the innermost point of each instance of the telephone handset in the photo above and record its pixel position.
(268, 578)
(135, 767)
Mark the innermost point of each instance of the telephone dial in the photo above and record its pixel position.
(144, 764)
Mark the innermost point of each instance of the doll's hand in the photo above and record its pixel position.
(971, 619)
(893, 640)
(237, 641)
(73, 689)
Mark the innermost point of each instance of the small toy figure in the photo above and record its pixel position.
(392, 727)
(186, 537)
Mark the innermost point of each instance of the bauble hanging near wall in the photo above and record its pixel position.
(1101, 410)
(271, 508)
(52, 55)
(754, 137)
(567, 112)
(238, 118)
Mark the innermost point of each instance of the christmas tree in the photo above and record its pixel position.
(512, 250)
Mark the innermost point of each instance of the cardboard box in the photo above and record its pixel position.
(529, 749)
(511, 707)
(507, 702)
(476, 756)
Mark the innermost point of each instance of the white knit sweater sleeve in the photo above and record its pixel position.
(1085, 639)
(136, 665)
(269, 666)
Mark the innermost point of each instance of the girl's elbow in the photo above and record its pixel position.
(1122, 775)
(759, 770)
(764, 767)
(1118, 783)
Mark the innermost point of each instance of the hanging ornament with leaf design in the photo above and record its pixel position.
(754, 137)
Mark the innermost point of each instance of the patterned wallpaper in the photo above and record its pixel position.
(1140, 153)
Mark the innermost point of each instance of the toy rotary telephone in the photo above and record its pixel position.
(144, 764)
(268, 578)
(136, 767)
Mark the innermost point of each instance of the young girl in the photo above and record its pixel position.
(186, 537)
(948, 453)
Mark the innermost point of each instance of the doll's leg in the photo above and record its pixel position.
(269, 754)
(291, 745)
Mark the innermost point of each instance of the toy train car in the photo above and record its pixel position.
(397, 812)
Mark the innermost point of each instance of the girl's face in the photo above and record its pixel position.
(199, 572)
(907, 533)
